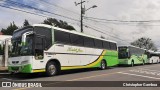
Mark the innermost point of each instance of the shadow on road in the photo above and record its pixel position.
(23, 76)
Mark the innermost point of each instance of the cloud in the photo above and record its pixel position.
(107, 9)
(18, 17)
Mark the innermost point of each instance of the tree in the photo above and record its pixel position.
(10, 29)
(145, 43)
(26, 23)
(58, 23)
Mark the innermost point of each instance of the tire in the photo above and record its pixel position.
(12, 73)
(103, 65)
(51, 69)
(132, 64)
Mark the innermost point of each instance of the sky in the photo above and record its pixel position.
(120, 10)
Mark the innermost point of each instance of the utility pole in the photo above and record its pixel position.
(83, 10)
(81, 17)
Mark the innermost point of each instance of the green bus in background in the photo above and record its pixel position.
(131, 55)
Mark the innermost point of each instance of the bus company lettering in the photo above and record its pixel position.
(75, 49)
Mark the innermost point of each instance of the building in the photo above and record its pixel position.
(4, 48)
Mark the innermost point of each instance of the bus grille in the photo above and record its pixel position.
(15, 68)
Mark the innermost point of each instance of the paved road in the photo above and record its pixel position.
(137, 73)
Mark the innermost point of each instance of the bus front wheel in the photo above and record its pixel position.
(51, 69)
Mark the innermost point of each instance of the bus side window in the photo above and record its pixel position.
(39, 47)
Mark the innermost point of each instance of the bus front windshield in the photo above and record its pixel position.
(22, 48)
(123, 52)
(19, 47)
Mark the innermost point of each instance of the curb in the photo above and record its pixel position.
(3, 69)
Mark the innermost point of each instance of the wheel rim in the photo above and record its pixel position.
(52, 69)
(103, 65)
(132, 64)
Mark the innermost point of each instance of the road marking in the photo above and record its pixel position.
(90, 77)
(150, 66)
(6, 78)
(150, 70)
(21, 88)
(146, 71)
(74, 79)
(139, 75)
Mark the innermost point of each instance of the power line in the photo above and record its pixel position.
(124, 23)
(88, 26)
(42, 15)
(56, 7)
(45, 16)
(111, 28)
(30, 7)
(22, 10)
(107, 34)
(95, 27)
(43, 1)
(130, 21)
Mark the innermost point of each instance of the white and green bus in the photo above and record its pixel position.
(44, 48)
(153, 57)
(131, 55)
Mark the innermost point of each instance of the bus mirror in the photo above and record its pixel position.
(23, 39)
(24, 36)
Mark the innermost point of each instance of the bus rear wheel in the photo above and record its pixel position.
(103, 65)
(132, 63)
(51, 69)
(157, 61)
(143, 62)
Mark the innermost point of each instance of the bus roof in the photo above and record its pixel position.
(131, 46)
(72, 31)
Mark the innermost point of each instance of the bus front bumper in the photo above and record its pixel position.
(20, 68)
(124, 62)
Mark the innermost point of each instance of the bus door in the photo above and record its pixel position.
(1, 53)
(39, 63)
